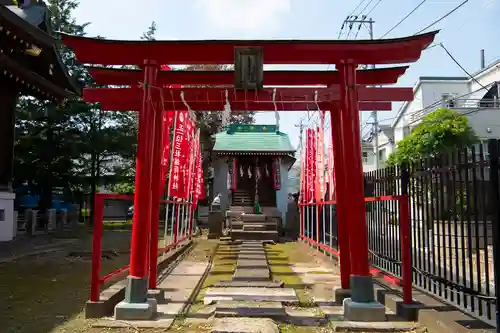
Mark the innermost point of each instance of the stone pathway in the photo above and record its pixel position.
(253, 302)
(177, 287)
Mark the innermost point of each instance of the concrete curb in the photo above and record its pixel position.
(116, 292)
(434, 315)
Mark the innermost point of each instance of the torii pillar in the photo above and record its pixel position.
(136, 304)
(362, 305)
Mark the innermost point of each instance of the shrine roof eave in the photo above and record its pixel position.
(40, 86)
(247, 153)
(124, 77)
(11, 16)
(32, 25)
(382, 51)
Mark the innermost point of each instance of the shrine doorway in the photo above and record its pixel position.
(266, 190)
(244, 194)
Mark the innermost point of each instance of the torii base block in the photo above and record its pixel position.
(136, 311)
(363, 312)
(136, 306)
(361, 306)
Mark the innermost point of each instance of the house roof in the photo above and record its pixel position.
(480, 72)
(421, 79)
(245, 138)
(388, 130)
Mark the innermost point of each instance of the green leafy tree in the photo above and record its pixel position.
(72, 145)
(441, 131)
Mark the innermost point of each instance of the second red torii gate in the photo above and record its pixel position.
(346, 55)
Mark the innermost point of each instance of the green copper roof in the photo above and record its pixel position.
(252, 138)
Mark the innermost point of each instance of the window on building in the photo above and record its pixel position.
(448, 100)
(381, 155)
(406, 131)
(365, 157)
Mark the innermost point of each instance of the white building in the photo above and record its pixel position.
(476, 97)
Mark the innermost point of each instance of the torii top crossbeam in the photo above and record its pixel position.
(114, 52)
(127, 77)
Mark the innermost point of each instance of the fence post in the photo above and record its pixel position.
(493, 156)
(405, 236)
(95, 279)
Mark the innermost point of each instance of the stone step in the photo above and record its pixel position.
(284, 295)
(254, 218)
(259, 262)
(258, 227)
(248, 284)
(252, 274)
(254, 235)
(249, 309)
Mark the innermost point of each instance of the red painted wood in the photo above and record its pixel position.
(124, 77)
(114, 52)
(142, 205)
(173, 96)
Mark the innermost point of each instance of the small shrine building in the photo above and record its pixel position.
(251, 167)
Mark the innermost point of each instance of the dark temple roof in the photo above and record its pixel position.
(44, 75)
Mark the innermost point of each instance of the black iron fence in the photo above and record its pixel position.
(454, 211)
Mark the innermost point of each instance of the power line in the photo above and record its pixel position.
(442, 18)
(359, 4)
(404, 18)
(351, 16)
(371, 10)
(459, 65)
(368, 4)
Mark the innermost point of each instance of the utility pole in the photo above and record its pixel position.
(374, 113)
(300, 126)
(363, 20)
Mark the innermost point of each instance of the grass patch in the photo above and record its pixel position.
(279, 258)
(202, 250)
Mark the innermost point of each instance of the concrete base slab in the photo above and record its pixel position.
(136, 311)
(157, 294)
(352, 326)
(95, 309)
(364, 312)
(284, 295)
(244, 325)
(341, 294)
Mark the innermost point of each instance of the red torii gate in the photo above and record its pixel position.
(344, 101)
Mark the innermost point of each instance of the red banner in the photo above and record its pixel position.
(176, 181)
(314, 173)
(168, 119)
(199, 186)
(189, 161)
(309, 165)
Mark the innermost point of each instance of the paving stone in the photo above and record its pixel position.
(244, 325)
(285, 295)
(260, 263)
(305, 316)
(251, 274)
(248, 284)
(249, 309)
